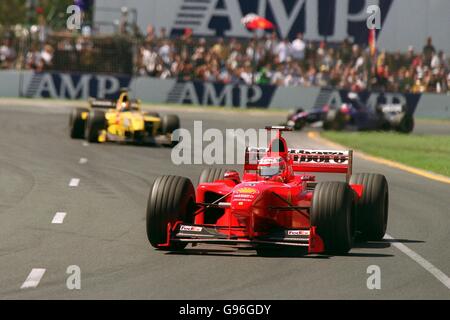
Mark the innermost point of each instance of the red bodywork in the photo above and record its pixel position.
(258, 211)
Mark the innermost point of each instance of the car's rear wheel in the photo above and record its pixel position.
(76, 123)
(171, 199)
(299, 124)
(373, 207)
(209, 175)
(332, 213)
(96, 122)
(170, 123)
(334, 120)
(406, 125)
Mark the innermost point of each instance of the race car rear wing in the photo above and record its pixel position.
(308, 161)
(102, 103)
(109, 104)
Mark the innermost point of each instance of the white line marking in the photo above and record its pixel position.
(83, 161)
(438, 274)
(59, 217)
(74, 182)
(85, 144)
(33, 278)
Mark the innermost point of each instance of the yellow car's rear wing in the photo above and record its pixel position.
(110, 104)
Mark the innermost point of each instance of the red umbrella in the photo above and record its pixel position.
(254, 22)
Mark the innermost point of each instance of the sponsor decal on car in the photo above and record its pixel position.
(320, 156)
(298, 232)
(191, 228)
(247, 190)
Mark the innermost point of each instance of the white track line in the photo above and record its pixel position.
(438, 274)
(59, 217)
(74, 182)
(33, 278)
(83, 161)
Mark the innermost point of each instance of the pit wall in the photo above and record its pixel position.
(170, 91)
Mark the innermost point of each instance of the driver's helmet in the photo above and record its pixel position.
(272, 168)
(123, 104)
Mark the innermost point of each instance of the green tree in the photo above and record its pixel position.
(25, 12)
(13, 12)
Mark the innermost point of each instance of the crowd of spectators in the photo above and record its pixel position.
(267, 60)
(293, 63)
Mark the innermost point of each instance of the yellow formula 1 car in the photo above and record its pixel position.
(121, 121)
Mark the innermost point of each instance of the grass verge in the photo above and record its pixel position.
(426, 152)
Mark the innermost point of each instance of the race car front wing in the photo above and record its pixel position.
(212, 234)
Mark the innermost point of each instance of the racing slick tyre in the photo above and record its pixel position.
(170, 123)
(95, 123)
(406, 125)
(334, 120)
(299, 124)
(171, 199)
(76, 123)
(373, 207)
(209, 175)
(332, 213)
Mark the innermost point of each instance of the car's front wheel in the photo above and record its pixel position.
(373, 207)
(77, 124)
(96, 122)
(171, 199)
(332, 213)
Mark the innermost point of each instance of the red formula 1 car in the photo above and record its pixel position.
(277, 203)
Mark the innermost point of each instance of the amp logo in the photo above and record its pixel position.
(334, 20)
(217, 94)
(75, 86)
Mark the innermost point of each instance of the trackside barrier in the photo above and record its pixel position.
(103, 86)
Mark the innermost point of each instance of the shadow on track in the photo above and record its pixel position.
(242, 252)
(385, 243)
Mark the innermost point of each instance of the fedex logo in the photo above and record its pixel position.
(334, 20)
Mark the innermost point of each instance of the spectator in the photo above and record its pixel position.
(438, 61)
(298, 47)
(165, 52)
(428, 51)
(33, 58)
(47, 56)
(7, 54)
(282, 51)
(150, 36)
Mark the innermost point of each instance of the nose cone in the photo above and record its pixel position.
(246, 197)
(243, 198)
(137, 122)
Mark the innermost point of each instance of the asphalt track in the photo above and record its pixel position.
(104, 229)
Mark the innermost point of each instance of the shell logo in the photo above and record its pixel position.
(247, 190)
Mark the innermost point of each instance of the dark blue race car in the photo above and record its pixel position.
(355, 116)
